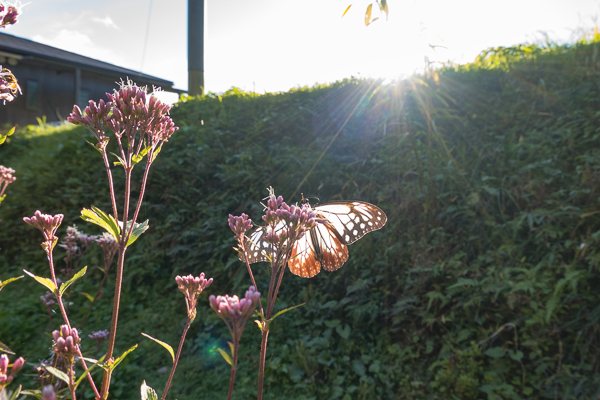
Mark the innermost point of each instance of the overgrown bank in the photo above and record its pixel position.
(483, 284)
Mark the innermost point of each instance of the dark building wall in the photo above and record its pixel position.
(49, 90)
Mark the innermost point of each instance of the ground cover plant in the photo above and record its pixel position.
(482, 285)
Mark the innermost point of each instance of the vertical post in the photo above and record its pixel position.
(77, 86)
(195, 47)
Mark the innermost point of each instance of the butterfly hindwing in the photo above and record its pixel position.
(330, 250)
(303, 259)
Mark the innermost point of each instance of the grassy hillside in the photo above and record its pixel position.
(482, 285)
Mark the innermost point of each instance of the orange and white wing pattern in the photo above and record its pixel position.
(318, 248)
(352, 219)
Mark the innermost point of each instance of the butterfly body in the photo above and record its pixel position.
(325, 246)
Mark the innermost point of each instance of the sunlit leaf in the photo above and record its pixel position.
(147, 393)
(57, 373)
(136, 158)
(138, 229)
(92, 364)
(88, 296)
(15, 394)
(5, 349)
(368, 14)
(346, 10)
(98, 217)
(43, 281)
(64, 286)
(166, 346)
(225, 356)
(120, 359)
(9, 280)
(285, 310)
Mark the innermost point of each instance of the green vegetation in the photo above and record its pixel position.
(484, 283)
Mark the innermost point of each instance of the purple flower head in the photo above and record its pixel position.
(94, 117)
(66, 341)
(130, 113)
(9, 11)
(137, 112)
(7, 175)
(9, 86)
(7, 376)
(239, 224)
(235, 311)
(109, 247)
(286, 223)
(48, 393)
(99, 336)
(47, 224)
(192, 287)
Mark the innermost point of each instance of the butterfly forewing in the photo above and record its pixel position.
(353, 219)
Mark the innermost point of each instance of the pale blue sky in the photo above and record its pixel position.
(269, 45)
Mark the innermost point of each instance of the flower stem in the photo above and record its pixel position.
(176, 361)
(262, 360)
(236, 345)
(118, 285)
(65, 317)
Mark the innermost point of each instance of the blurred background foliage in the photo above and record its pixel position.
(484, 283)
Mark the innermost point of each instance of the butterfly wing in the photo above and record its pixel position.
(352, 219)
(257, 248)
(318, 248)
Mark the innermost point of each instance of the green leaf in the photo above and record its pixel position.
(4, 136)
(147, 393)
(64, 286)
(346, 10)
(137, 231)
(225, 356)
(5, 349)
(94, 364)
(120, 359)
(495, 352)
(120, 162)
(15, 395)
(43, 281)
(136, 158)
(156, 152)
(88, 296)
(163, 344)
(98, 217)
(285, 310)
(9, 280)
(57, 373)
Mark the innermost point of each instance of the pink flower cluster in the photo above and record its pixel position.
(239, 224)
(7, 176)
(131, 113)
(66, 341)
(47, 224)
(192, 287)
(235, 311)
(9, 86)
(9, 11)
(6, 377)
(286, 223)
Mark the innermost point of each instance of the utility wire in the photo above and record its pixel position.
(149, 17)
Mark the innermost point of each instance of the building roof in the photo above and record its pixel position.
(29, 48)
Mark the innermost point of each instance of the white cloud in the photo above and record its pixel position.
(80, 43)
(106, 21)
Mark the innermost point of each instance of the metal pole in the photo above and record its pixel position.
(195, 47)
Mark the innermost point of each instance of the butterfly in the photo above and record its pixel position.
(325, 246)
